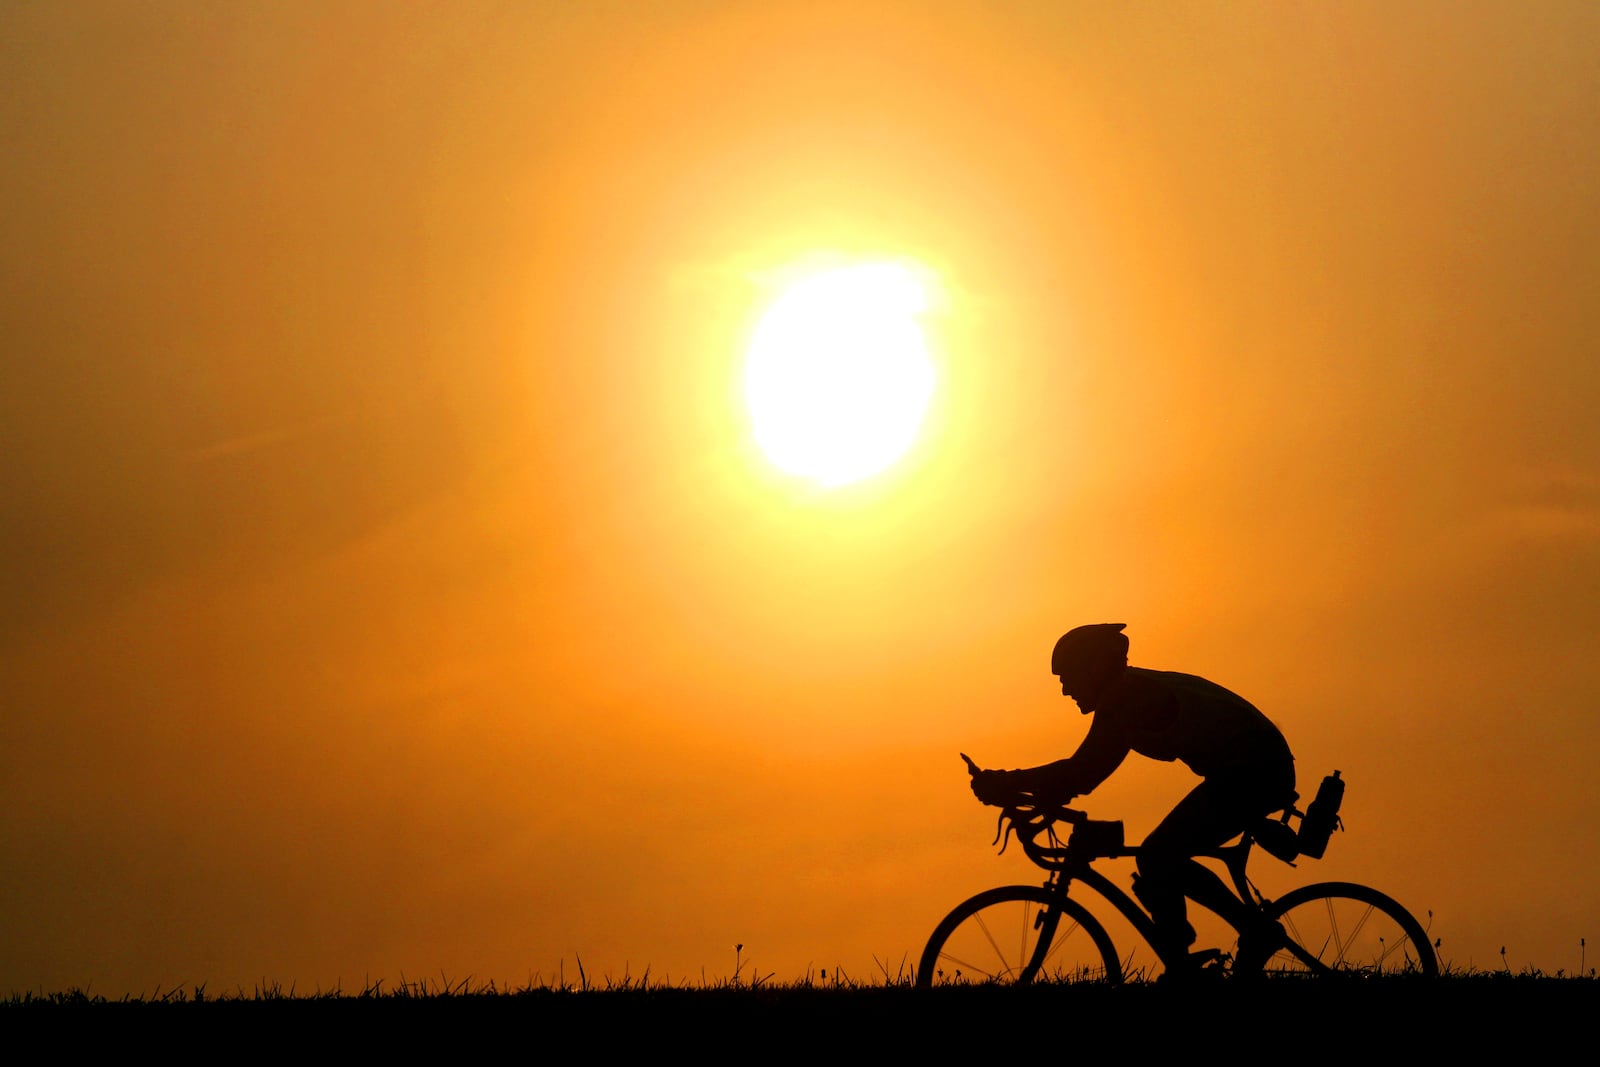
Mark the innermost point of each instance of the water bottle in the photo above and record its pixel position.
(1321, 817)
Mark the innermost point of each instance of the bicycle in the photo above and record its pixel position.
(1025, 933)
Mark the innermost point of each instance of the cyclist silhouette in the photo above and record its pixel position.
(1245, 762)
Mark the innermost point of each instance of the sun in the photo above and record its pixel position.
(838, 377)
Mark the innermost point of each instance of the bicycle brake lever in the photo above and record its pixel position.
(1002, 832)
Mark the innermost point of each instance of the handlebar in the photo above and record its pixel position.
(1030, 820)
(1033, 815)
(1027, 810)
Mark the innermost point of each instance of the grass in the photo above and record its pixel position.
(891, 976)
(537, 985)
(827, 1012)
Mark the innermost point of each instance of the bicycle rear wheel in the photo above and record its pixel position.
(1340, 928)
(1018, 934)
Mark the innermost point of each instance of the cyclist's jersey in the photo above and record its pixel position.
(1169, 716)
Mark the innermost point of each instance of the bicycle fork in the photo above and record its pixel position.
(1045, 923)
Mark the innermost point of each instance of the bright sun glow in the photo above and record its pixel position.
(838, 376)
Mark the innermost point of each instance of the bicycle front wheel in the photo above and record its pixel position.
(1018, 934)
(1348, 929)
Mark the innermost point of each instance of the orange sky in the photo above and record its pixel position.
(392, 586)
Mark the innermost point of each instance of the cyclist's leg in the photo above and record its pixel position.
(1168, 872)
(1214, 812)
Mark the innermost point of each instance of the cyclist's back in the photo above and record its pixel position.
(1167, 716)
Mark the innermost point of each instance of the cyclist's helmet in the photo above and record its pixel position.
(1088, 656)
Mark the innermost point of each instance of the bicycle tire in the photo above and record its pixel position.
(1056, 939)
(1342, 928)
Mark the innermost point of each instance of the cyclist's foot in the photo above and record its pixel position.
(1257, 945)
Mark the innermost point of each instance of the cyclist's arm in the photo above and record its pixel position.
(1101, 752)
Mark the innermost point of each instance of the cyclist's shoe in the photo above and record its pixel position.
(1257, 945)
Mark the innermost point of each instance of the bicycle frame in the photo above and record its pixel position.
(1070, 864)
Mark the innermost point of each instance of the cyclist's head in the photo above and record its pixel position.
(1088, 657)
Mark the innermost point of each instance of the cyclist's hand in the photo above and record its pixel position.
(994, 787)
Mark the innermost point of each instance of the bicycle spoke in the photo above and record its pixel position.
(998, 954)
(1069, 940)
(963, 964)
(1389, 950)
(978, 969)
(1022, 937)
(1333, 933)
(1059, 941)
(1296, 949)
(1356, 932)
